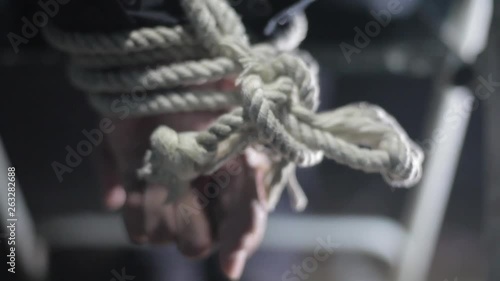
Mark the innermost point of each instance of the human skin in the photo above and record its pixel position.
(233, 222)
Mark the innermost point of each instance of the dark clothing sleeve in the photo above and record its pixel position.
(111, 15)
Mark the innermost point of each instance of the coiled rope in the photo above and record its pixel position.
(274, 107)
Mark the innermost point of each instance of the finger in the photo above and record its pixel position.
(128, 142)
(165, 231)
(158, 222)
(226, 183)
(134, 217)
(147, 217)
(193, 230)
(242, 243)
(243, 229)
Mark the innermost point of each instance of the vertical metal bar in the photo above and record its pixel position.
(465, 32)
(432, 194)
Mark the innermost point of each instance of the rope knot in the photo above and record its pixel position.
(405, 161)
(173, 160)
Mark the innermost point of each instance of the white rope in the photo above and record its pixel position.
(125, 42)
(162, 77)
(291, 38)
(168, 102)
(274, 107)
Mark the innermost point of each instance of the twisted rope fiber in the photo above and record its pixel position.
(163, 76)
(171, 102)
(142, 39)
(274, 110)
(154, 56)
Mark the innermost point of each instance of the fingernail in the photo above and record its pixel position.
(236, 265)
(115, 198)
